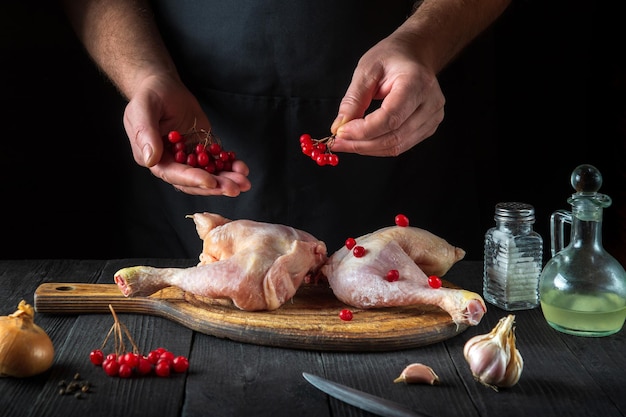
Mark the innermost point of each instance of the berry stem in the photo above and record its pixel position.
(118, 329)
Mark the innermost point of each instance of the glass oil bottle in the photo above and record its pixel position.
(583, 288)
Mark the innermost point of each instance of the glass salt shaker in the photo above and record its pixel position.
(583, 288)
(513, 258)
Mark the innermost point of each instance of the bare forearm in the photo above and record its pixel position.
(122, 39)
(442, 28)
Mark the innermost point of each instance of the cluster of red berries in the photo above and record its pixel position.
(124, 363)
(199, 148)
(319, 149)
(160, 361)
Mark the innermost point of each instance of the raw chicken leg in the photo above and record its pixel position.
(415, 253)
(259, 266)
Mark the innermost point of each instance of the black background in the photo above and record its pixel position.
(556, 69)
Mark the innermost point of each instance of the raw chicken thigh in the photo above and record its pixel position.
(416, 254)
(259, 266)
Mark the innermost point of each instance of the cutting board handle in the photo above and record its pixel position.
(76, 298)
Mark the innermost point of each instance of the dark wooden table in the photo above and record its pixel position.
(563, 375)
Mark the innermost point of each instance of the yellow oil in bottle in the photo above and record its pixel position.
(601, 314)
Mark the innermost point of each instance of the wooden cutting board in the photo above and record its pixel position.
(309, 321)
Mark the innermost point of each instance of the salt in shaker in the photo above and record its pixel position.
(513, 258)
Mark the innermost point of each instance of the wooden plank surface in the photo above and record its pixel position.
(309, 321)
(563, 375)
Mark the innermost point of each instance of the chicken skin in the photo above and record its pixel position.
(416, 254)
(259, 266)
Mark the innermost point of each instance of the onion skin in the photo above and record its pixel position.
(25, 348)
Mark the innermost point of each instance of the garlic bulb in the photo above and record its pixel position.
(418, 373)
(493, 358)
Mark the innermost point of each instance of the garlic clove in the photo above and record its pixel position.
(493, 358)
(514, 368)
(418, 373)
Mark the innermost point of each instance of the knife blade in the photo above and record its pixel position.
(360, 399)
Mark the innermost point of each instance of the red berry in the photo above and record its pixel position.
(402, 220)
(333, 160)
(167, 356)
(358, 251)
(192, 160)
(215, 148)
(144, 366)
(210, 167)
(153, 356)
(203, 159)
(305, 138)
(178, 146)
(434, 281)
(174, 136)
(350, 243)
(131, 359)
(200, 147)
(180, 364)
(162, 368)
(125, 370)
(111, 367)
(96, 357)
(392, 275)
(223, 155)
(345, 315)
(180, 157)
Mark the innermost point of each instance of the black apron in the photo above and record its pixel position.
(266, 72)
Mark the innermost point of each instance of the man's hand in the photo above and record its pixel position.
(412, 102)
(162, 104)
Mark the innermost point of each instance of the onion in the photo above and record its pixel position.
(25, 348)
